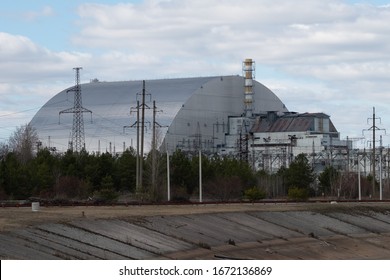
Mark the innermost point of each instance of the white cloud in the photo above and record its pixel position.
(330, 55)
(45, 11)
(283, 32)
(21, 60)
(30, 76)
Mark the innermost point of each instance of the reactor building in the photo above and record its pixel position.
(226, 115)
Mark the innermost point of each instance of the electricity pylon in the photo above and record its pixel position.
(78, 138)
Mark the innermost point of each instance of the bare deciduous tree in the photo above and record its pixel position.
(23, 142)
(4, 150)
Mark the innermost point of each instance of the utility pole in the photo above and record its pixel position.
(373, 151)
(139, 124)
(142, 134)
(136, 125)
(200, 174)
(373, 128)
(168, 174)
(154, 148)
(198, 137)
(380, 169)
(78, 137)
(359, 180)
(154, 144)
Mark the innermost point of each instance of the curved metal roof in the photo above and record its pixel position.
(187, 105)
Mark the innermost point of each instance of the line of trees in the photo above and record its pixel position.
(104, 176)
(26, 172)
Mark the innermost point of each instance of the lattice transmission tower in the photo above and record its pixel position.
(77, 142)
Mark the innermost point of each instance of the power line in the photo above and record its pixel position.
(19, 112)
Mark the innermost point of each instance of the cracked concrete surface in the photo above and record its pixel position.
(228, 231)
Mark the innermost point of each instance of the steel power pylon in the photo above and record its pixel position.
(78, 138)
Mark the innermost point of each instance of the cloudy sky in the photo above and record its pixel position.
(318, 56)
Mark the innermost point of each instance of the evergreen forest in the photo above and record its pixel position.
(29, 171)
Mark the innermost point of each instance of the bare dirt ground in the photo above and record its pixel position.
(199, 231)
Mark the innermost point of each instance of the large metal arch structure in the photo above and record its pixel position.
(192, 108)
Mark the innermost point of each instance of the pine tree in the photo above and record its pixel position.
(299, 174)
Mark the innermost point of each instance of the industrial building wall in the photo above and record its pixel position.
(204, 117)
(275, 149)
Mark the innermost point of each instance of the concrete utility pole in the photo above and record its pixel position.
(154, 147)
(137, 158)
(154, 144)
(200, 175)
(168, 175)
(359, 181)
(141, 160)
(373, 151)
(380, 169)
(198, 136)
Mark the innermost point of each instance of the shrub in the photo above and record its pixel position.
(298, 194)
(71, 187)
(224, 188)
(179, 194)
(106, 195)
(254, 194)
(3, 195)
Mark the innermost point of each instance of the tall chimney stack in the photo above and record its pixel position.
(248, 68)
